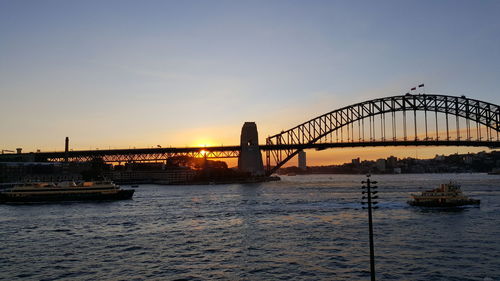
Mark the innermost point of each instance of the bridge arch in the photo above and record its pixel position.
(310, 132)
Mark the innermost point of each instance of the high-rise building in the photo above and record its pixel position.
(302, 160)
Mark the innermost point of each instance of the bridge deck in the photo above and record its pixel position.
(154, 154)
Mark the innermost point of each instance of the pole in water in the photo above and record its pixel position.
(367, 189)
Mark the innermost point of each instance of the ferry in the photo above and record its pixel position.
(446, 195)
(495, 171)
(64, 192)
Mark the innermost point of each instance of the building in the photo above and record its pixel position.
(468, 159)
(18, 172)
(302, 160)
(392, 162)
(356, 161)
(380, 165)
(167, 176)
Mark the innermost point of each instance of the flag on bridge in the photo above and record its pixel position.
(421, 85)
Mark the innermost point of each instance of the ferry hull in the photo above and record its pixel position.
(7, 198)
(444, 204)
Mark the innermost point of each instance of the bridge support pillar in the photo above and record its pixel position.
(250, 159)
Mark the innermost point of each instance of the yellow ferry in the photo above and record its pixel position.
(446, 195)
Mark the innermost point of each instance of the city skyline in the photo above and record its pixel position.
(121, 74)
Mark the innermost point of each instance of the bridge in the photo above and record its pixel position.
(394, 121)
(404, 120)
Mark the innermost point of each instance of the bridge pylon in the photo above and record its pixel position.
(250, 159)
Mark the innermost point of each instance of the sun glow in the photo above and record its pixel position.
(201, 143)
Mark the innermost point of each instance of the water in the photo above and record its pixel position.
(302, 228)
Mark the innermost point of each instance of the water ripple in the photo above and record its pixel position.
(303, 228)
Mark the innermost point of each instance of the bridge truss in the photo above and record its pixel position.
(217, 152)
(419, 119)
(138, 155)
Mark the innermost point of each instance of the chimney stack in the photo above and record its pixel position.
(66, 149)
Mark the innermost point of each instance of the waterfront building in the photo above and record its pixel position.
(167, 176)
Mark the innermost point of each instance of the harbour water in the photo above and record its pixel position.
(301, 228)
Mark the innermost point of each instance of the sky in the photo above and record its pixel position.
(120, 74)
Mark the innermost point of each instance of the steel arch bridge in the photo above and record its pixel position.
(405, 120)
(391, 121)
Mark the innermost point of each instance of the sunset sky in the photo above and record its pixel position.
(120, 74)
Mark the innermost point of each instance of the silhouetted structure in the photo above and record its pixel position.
(250, 159)
(367, 190)
(302, 160)
(66, 149)
(351, 126)
(481, 162)
(365, 124)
